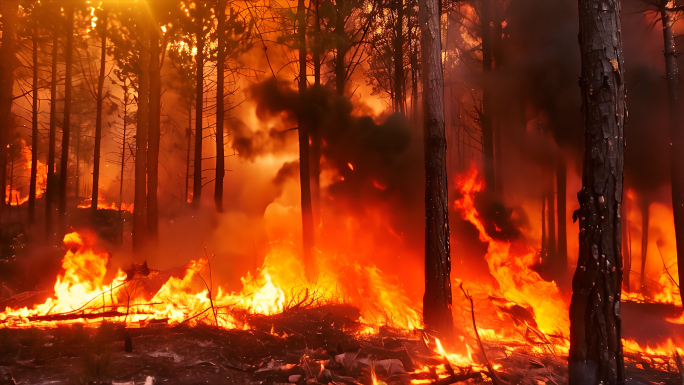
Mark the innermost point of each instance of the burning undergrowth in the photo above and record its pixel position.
(293, 326)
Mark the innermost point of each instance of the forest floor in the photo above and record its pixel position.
(304, 346)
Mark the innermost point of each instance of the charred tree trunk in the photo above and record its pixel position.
(676, 130)
(551, 223)
(141, 137)
(154, 135)
(315, 133)
(544, 244)
(34, 133)
(437, 299)
(486, 20)
(561, 202)
(595, 323)
(98, 117)
(187, 159)
(645, 214)
(303, 131)
(50, 190)
(626, 247)
(66, 129)
(220, 109)
(8, 8)
(123, 151)
(77, 154)
(340, 47)
(197, 172)
(399, 99)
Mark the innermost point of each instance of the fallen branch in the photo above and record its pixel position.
(458, 378)
(665, 266)
(72, 316)
(492, 374)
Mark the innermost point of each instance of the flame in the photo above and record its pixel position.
(102, 205)
(511, 268)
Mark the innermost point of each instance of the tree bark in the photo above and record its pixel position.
(7, 62)
(187, 159)
(399, 99)
(197, 172)
(315, 132)
(50, 190)
(98, 117)
(66, 129)
(154, 134)
(220, 108)
(34, 133)
(437, 299)
(676, 130)
(340, 48)
(486, 20)
(645, 214)
(561, 207)
(141, 138)
(551, 223)
(595, 323)
(304, 123)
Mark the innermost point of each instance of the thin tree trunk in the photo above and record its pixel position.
(303, 131)
(141, 137)
(7, 61)
(187, 159)
(66, 129)
(645, 214)
(340, 48)
(544, 244)
(552, 225)
(486, 19)
(50, 190)
(595, 323)
(154, 135)
(77, 154)
(98, 117)
(399, 99)
(197, 172)
(315, 132)
(34, 133)
(220, 109)
(561, 203)
(676, 131)
(123, 152)
(437, 299)
(626, 246)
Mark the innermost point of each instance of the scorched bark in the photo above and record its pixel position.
(595, 325)
(437, 299)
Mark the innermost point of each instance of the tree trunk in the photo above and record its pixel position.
(595, 323)
(220, 108)
(187, 159)
(645, 214)
(340, 48)
(77, 154)
(154, 134)
(7, 60)
(197, 172)
(50, 190)
(315, 132)
(676, 130)
(486, 19)
(626, 247)
(66, 129)
(437, 299)
(544, 244)
(34, 133)
(550, 204)
(141, 137)
(561, 202)
(98, 117)
(399, 99)
(123, 152)
(303, 131)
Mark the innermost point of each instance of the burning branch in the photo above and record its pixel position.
(492, 374)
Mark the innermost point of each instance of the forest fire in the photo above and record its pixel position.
(358, 192)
